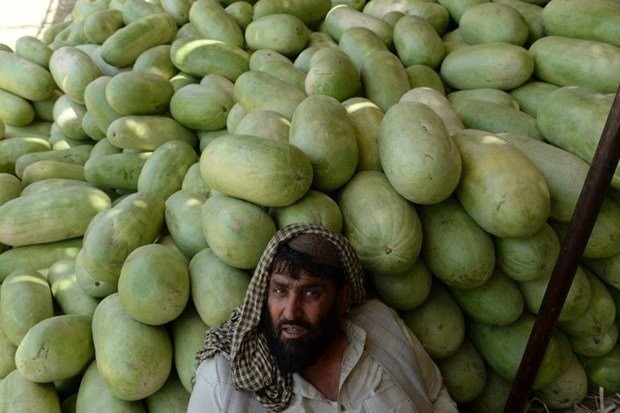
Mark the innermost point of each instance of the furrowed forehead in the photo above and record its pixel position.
(305, 280)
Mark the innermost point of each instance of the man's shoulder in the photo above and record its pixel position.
(371, 308)
(215, 369)
(379, 321)
(216, 375)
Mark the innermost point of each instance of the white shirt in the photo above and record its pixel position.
(364, 385)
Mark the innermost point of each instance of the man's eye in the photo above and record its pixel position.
(312, 293)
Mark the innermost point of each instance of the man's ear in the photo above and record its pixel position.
(344, 298)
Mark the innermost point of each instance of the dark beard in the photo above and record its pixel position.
(295, 355)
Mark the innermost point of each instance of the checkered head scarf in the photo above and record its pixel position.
(240, 338)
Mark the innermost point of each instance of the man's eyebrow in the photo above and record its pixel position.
(278, 283)
(286, 283)
(313, 284)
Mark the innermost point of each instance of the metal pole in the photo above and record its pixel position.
(579, 229)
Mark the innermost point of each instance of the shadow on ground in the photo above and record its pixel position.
(56, 12)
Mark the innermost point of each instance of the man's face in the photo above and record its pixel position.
(303, 317)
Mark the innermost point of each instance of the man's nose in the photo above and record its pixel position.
(292, 308)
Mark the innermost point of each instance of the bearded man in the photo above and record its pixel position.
(305, 339)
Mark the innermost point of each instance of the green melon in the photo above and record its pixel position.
(383, 227)
(278, 175)
(153, 285)
(236, 230)
(133, 358)
(217, 288)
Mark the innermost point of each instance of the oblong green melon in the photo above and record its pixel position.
(56, 348)
(264, 171)
(133, 358)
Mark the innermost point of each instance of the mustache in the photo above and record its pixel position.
(295, 322)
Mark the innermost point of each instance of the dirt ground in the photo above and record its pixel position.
(30, 17)
(62, 10)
